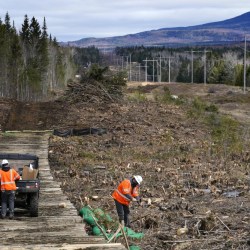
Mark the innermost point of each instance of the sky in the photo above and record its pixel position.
(71, 20)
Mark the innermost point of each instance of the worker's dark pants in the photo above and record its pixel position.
(8, 197)
(123, 213)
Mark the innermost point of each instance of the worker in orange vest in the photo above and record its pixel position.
(8, 177)
(127, 191)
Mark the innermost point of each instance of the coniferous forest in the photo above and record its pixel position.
(32, 64)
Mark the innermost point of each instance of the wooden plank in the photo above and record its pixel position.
(110, 246)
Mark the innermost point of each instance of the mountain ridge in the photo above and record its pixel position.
(226, 31)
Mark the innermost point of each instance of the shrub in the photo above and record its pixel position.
(138, 96)
(167, 97)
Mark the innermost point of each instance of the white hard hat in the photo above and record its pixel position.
(138, 178)
(5, 162)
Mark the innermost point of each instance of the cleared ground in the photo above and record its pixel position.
(188, 177)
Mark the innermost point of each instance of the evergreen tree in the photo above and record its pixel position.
(198, 71)
(50, 38)
(43, 55)
(43, 44)
(25, 39)
(25, 32)
(184, 72)
(248, 76)
(239, 69)
(7, 22)
(35, 35)
(55, 43)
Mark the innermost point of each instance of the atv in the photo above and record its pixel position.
(27, 193)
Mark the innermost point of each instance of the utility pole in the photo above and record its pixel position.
(158, 65)
(130, 73)
(169, 69)
(160, 68)
(245, 65)
(139, 78)
(192, 67)
(153, 70)
(205, 65)
(127, 66)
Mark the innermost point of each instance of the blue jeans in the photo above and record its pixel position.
(8, 197)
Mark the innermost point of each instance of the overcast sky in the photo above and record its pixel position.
(70, 20)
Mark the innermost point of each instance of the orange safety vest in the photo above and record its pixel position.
(125, 188)
(8, 179)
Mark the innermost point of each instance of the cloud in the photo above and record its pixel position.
(76, 19)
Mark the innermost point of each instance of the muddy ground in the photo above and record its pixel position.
(189, 177)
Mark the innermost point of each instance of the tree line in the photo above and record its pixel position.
(223, 65)
(32, 64)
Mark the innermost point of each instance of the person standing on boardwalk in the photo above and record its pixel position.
(8, 177)
(127, 191)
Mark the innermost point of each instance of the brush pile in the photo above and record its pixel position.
(92, 91)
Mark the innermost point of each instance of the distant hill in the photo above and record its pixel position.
(227, 31)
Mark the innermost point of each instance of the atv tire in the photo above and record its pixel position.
(34, 205)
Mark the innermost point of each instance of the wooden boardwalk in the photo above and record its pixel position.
(56, 227)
